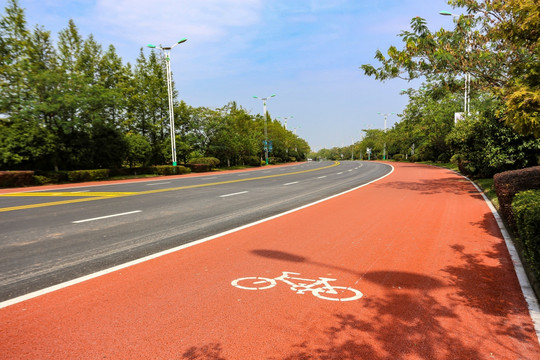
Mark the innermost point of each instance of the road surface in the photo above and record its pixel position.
(412, 266)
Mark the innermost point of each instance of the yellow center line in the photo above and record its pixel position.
(90, 196)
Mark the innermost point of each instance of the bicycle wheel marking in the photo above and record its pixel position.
(320, 287)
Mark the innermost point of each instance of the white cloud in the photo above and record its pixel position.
(167, 21)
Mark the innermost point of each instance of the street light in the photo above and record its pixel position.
(167, 55)
(264, 99)
(385, 117)
(285, 120)
(466, 106)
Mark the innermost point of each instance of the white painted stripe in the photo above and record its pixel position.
(233, 194)
(291, 183)
(321, 177)
(106, 217)
(161, 183)
(170, 251)
(339, 173)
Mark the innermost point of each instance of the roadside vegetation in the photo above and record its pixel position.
(70, 104)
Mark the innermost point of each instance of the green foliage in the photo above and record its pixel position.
(170, 170)
(526, 209)
(507, 184)
(496, 42)
(484, 147)
(87, 175)
(212, 162)
(70, 104)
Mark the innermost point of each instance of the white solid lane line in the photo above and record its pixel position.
(106, 217)
(233, 194)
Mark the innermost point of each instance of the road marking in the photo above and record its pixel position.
(321, 177)
(104, 195)
(291, 183)
(81, 191)
(67, 193)
(339, 173)
(106, 217)
(233, 194)
(66, 284)
(161, 183)
(350, 170)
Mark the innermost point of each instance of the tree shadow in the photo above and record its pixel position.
(399, 325)
(205, 352)
(488, 225)
(452, 185)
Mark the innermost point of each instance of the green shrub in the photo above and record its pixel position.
(398, 157)
(16, 178)
(42, 180)
(211, 161)
(526, 209)
(252, 160)
(88, 175)
(199, 167)
(170, 170)
(507, 184)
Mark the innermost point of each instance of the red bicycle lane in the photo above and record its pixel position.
(421, 245)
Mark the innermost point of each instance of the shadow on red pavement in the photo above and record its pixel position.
(452, 185)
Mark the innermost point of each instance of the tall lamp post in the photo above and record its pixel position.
(466, 105)
(167, 55)
(285, 120)
(385, 117)
(264, 99)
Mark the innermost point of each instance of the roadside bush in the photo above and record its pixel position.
(526, 209)
(87, 175)
(170, 170)
(131, 171)
(16, 178)
(42, 180)
(398, 157)
(197, 168)
(507, 184)
(252, 160)
(51, 177)
(485, 147)
(211, 161)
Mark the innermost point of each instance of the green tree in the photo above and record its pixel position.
(497, 42)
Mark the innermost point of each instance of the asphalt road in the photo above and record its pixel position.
(51, 236)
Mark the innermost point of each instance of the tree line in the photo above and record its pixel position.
(71, 104)
(497, 43)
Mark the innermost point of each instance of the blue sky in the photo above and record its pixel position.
(307, 52)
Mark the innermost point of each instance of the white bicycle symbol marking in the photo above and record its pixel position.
(319, 288)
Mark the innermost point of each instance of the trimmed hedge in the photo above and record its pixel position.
(211, 161)
(170, 170)
(526, 208)
(199, 167)
(87, 175)
(507, 184)
(398, 157)
(16, 178)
